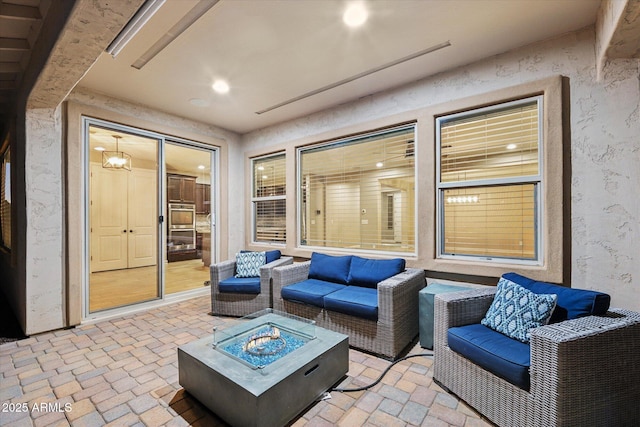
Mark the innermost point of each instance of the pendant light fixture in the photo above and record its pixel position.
(116, 159)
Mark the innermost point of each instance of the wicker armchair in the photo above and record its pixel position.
(584, 372)
(397, 323)
(241, 304)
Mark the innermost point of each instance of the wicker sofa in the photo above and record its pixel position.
(385, 327)
(243, 296)
(583, 372)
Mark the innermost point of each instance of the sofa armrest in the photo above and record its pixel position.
(595, 356)
(398, 296)
(288, 275)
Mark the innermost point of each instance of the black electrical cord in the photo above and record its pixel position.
(366, 387)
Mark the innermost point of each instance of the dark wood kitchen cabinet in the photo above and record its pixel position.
(181, 189)
(203, 198)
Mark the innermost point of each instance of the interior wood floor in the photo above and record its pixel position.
(117, 288)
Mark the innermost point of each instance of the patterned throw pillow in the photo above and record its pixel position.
(515, 310)
(248, 263)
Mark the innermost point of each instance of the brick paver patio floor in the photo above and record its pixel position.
(124, 372)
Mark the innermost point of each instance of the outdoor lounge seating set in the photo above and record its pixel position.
(374, 302)
(580, 369)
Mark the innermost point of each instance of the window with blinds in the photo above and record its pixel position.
(269, 199)
(5, 199)
(489, 181)
(358, 192)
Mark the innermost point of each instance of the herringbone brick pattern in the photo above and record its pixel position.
(124, 372)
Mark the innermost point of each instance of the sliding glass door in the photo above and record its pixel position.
(189, 213)
(150, 213)
(123, 218)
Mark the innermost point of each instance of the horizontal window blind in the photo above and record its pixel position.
(269, 199)
(358, 192)
(5, 199)
(490, 181)
(491, 145)
(494, 221)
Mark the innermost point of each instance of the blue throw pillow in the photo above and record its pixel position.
(330, 268)
(516, 310)
(248, 263)
(369, 272)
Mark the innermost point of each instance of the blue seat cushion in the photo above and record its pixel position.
(240, 285)
(505, 357)
(330, 268)
(369, 272)
(354, 300)
(310, 291)
(571, 304)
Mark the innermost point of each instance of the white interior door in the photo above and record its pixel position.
(142, 230)
(109, 219)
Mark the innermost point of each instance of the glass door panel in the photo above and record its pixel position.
(189, 212)
(123, 219)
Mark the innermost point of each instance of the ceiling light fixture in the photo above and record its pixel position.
(355, 15)
(116, 159)
(148, 9)
(379, 164)
(100, 149)
(511, 147)
(174, 32)
(356, 77)
(220, 86)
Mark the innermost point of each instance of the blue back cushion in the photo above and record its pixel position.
(505, 357)
(330, 268)
(369, 272)
(273, 255)
(571, 304)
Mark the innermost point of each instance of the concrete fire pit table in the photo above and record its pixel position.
(264, 370)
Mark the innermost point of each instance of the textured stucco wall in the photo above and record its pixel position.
(43, 185)
(605, 145)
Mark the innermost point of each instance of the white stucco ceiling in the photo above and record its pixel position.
(274, 51)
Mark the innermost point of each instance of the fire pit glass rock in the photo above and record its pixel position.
(264, 344)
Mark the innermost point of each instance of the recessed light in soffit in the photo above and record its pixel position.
(357, 76)
(174, 32)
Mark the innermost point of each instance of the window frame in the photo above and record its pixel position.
(555, 262)
(256, 199)
(341, 141)
(4, 150)
(537, 180)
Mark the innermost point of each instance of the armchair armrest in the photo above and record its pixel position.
(266, 271)
(595, 356)
(222, 270)
(458, 309)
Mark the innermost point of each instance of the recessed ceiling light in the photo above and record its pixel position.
(265, 176)
(201, 167)
(198, 102)
(100, 149)
(511, 147)
(355, 15)
(220, 86)
(379, 164)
